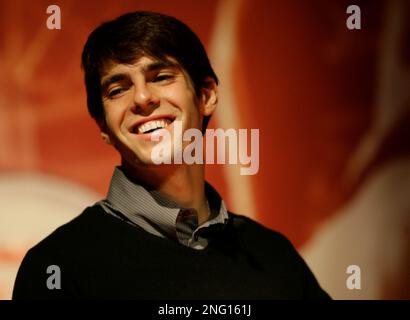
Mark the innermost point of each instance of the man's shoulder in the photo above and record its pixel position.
(73, 233)
(64, 248)
(274, 250)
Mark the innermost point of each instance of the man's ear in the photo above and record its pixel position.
(209, 96)
(106, 138)
(104, 132)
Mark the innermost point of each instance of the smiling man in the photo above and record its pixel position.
(162, 232)
(143, 97)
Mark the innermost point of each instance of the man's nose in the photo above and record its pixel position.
(144, 99)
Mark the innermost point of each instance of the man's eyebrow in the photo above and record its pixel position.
(157, 65)
(154, 66)
(112, 79)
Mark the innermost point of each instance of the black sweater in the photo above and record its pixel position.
(101, 256)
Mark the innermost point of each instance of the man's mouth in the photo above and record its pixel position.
(150, 126)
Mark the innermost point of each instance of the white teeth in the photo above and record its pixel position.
(153, 124)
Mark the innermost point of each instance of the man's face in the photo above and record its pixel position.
(146, 95)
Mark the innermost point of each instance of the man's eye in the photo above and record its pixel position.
(114, 92)
(163, 77)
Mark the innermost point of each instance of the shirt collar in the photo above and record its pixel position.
(158, 214)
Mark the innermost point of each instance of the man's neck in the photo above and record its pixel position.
(183, 184)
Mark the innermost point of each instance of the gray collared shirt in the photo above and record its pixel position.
(159, 215)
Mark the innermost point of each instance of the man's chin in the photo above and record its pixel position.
(139, 158)
(154, 160)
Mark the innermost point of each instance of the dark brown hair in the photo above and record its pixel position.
(132, 35)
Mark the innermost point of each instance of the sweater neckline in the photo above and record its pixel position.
(174, 245)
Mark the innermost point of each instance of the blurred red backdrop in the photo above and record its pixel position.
(331, 105)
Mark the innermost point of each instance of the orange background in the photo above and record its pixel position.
(331, 105)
